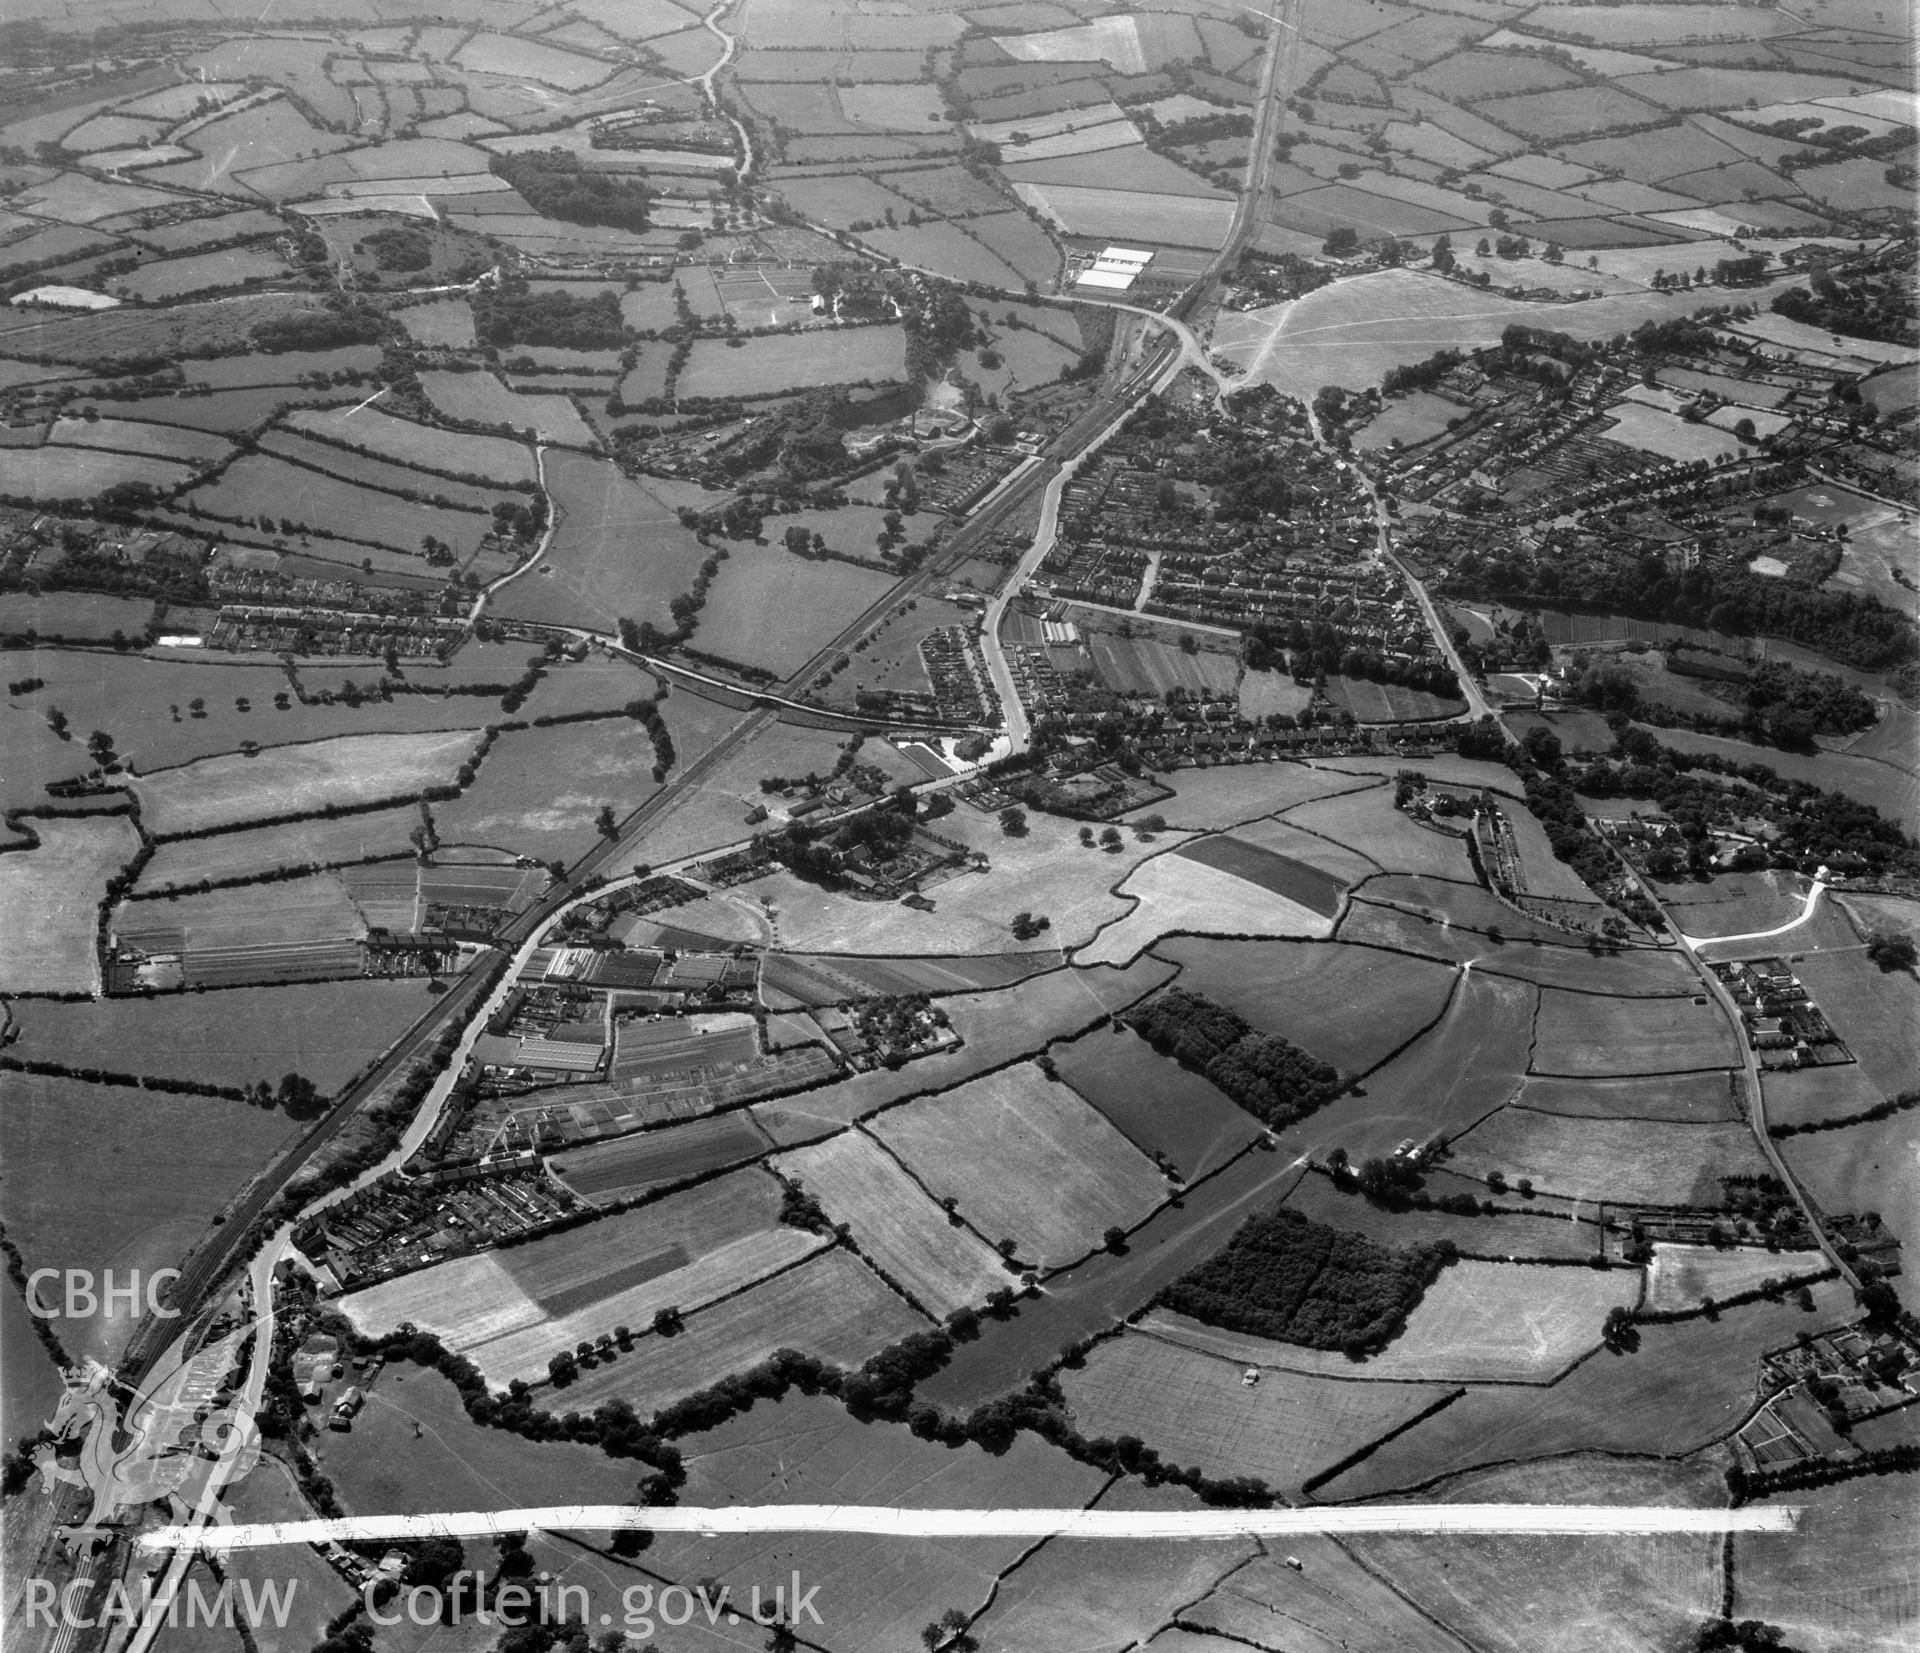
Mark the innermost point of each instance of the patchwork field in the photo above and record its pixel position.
(249, 854)
(1623, 1160)
(1268, 870)
(1027, 1160)
(1161, 1107)
(634, 1164)
(907, 1236)
(1177, 895)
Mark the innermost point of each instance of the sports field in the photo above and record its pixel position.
(894, 1222)
(1605, 1037)
(1027, 1160)
(1623, 1160)
(1195, 1411)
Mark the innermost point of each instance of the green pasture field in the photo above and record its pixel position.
(1801, 1096)
(257, 485)
(270, 1493)
(1542, 873)
(312, 909)
(481, 399)
(1890, 789)
(131, 436)
(137, 332)
(1844, 1580)
(1688, 1098)
(377, 473)
(833, 1306)
(809, 1449)
(413, 1449)
(30, 1382)
(327, 1032)
(1160, 1106)
(285, 780)
(1600, 1036)
(940, 1266)
(1866, 1168)
(1017, 241)
(836, 979)
(633, 1164)
(57, 473)
(946, 248)
(1193, 1408)
(105, 1177)
(1214, 799)
(424, 447)
(1177, 895)
(234, 410)
(1504, 1234)
(1027, 1159)
(540, 791)
(1268, 870)
(202, 272)
(1565, 1595)
(1330, 1599)
(1406, 421)
(1368, 822)
(1336, 861)
(1687, 1384)
(1350, 1006)
(841, 201)
(1177, 220)
(283, 367)
(794, 361)
(1478, 1322)
(771, 609)
(1876, 1012)
(1627, 1161)
(619, 552)
(49, 897)
(1468, 1065)
(1641, 26)
(440, 321)
(1682, 1276)
(1109, 1594)
(350, 838)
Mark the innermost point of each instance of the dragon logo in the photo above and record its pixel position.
(172, 1444)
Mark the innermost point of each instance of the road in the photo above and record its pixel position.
(1806, 912)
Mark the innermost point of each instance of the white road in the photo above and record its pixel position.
(1806, 912)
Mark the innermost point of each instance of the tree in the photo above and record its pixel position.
(1110, 840)
(948, 1634)
(1617, 1330)
(668, 1321)
(562, 1369)
(1114, 1239)
(1892, 951)
(605, 824)
(1013, 821)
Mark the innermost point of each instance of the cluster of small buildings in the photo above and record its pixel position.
(1781, 1021)
(289, 629)
(962, 692)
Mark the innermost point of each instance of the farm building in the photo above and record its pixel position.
(1114, 270)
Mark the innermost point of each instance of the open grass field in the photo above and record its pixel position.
(311, 909)
(1176, 894)
(134, 436)
(414, 1449)
(57, 473)
(1330, 1603)
(286, 780)
(1621, 1160)
(481, 399)
(1456, 1074)
(30, 1384)
(1268, 870)
(1522, 1231)
(1154, 664)
(1846, 1580)
(1681, 1276)
(1683, 1098)
(1028, 1160)
(1368, 823)
(794, 361)
(306, 453)
(809, 1450)
(770, 609)
(832, 1306)
(325, 1031)
(1876, 1012)
(1346, 867)
(1161, 1107)
(619, 552)
(509, 1312)
(1194, 1409)
(49, 896)
(408, 442)
(1867, 1168)
(1590, 1034)
(633, 1164)
(349, 838)
(1478, 1322)
(1213, 799)
(894, 1223)
(1351, 1006)
(1106, 1594)
(271, 1494)
(1687, 1384)
(1735, 903)
(1801, 1096)
(257, 485)
(104, 1177)
(1565, 1595)
(1131, 214)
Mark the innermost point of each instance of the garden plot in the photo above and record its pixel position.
(939, 1265)
(50, 897)
(1601, 1036)
(1194, 1410)
(1028, 1160)
(1478, 1322)
(295, 780)
(1624, 1161)
(1174, 894)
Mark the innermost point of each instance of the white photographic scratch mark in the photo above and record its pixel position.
(1567, 1520)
